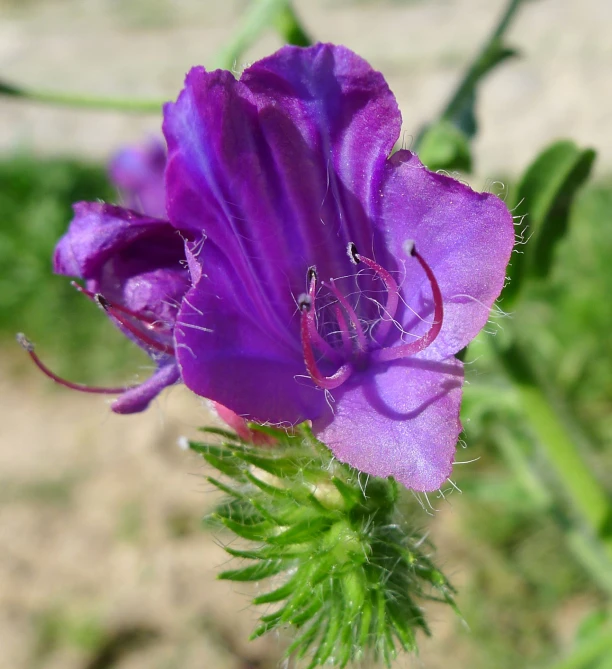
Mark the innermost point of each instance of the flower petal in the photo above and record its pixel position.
(138, 398)
(279, 170)
(465, 237)
(402, 421)
(232, 354)
(134, 260)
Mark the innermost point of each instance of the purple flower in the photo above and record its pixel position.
(331, 282)
(138, 173)
(303, 273)
(134, 268)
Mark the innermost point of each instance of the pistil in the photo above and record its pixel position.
(28, 346)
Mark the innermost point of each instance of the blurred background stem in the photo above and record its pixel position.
(489, 56)
(260, 15)
(81, 101)
(588, 497)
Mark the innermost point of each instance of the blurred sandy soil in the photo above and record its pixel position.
(102, 562)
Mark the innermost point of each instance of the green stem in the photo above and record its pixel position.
(259, 16)
(481, 63)
(82, 101)
(588, 497)
(290, 28)
(589, 552)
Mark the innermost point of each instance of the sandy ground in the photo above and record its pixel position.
(99, 514)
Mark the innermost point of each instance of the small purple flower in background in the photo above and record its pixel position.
(326, 281)
(138, 173)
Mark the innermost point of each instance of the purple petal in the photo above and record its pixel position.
(465, 237)
(138, 173)
(280, 169)
(402, 421)
(138, 398)
(231, 353)
(134, 260)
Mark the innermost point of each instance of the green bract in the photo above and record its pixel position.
(345, 572)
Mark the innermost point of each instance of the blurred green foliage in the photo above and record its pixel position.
(71, 334)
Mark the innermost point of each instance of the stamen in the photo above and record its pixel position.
(150, 323)
(362, 342)
(28, 346)
(316, 337)
(326, 382)
(405, 350)
(110, 309)
(391, 286)
(344, 332)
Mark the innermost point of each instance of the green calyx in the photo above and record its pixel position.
(345, 572)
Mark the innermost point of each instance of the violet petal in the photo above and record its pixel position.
(465, 237)
(138, 173)
(402, 421)
(133, 260)
(138, 398)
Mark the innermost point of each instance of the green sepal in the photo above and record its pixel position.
(254, 572)
(255, 532)
(349, 574)
(301, 532)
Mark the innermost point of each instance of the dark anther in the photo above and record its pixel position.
(24, 342)
(102, 302)
(351, 249)
(410, 247)
(304, 302)
(312, 274)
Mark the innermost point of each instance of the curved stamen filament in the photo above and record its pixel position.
(392, 292)
(405, 350)
(362, 342)
(316, 337)
(27, 345)
(344, 331)
(326, 382)
(110, 309)
(150, 323)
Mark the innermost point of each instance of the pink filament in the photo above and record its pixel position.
(346, 337)
(392, 295)
(151, 323)
(362, 342)
(326, 382)
(130, 327)
(29, 348)
(317, 339)
(405, 350)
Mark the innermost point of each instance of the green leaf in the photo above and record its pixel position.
(545, 196)
(460, 110)
(443, 146)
